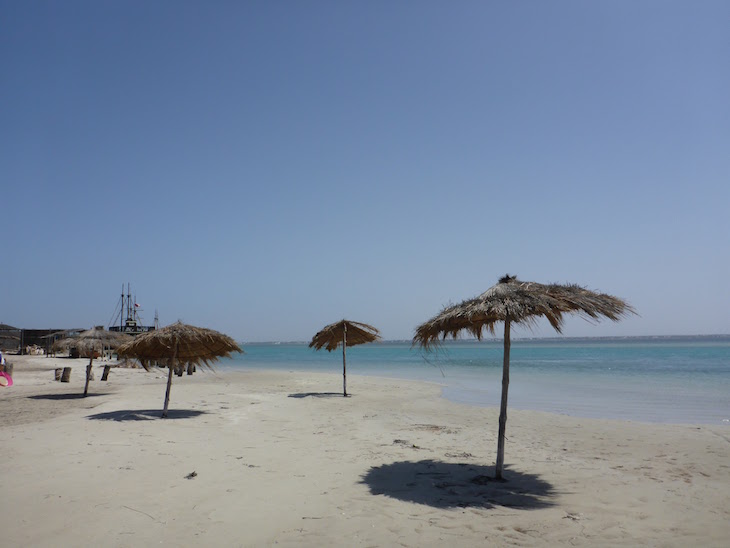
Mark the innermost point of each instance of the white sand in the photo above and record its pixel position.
(392, 465)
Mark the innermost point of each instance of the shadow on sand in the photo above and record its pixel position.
(452, 485)
(144, 415)
(64, 396)
(318, 395)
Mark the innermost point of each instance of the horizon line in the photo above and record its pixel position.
(491, 339)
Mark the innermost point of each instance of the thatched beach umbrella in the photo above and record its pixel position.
(512, 301)
(345, 333)
(177, 345)
(90, 342)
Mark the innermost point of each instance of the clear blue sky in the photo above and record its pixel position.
(266, 168)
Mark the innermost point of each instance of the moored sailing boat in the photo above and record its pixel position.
(126, 316)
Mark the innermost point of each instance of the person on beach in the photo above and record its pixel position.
(5, 379)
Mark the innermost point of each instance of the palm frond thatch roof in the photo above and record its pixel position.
(179, 344)
(330, 337)
(92, 339)
(521, 303)
(514, 301)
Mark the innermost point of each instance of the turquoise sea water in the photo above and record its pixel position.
(669, 380)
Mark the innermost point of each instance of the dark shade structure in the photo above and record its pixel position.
(515, 302)
(345, 333)
(90, 342)
(178, 345)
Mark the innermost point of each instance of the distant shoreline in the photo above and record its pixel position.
(538, 340)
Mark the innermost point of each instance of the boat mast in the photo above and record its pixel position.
(129, 301)
(129, 317)
(121, 313)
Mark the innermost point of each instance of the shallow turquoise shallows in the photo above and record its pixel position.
(665, 380)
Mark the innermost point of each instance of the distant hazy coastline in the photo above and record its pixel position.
(495, 340)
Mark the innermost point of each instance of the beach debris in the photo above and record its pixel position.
(191, 475)
(461, 455)
(435, 428)
(406, 443)
(143, 513)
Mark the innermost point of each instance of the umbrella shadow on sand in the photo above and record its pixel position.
(456, 485)
(64, 396)
(144, 415)
(316, 395)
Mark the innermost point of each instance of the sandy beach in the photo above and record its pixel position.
(276, 458)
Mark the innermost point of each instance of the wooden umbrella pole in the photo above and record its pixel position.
(344, 360)
(169, 382)
(88, 374)
(167, 393)
(503, 406)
